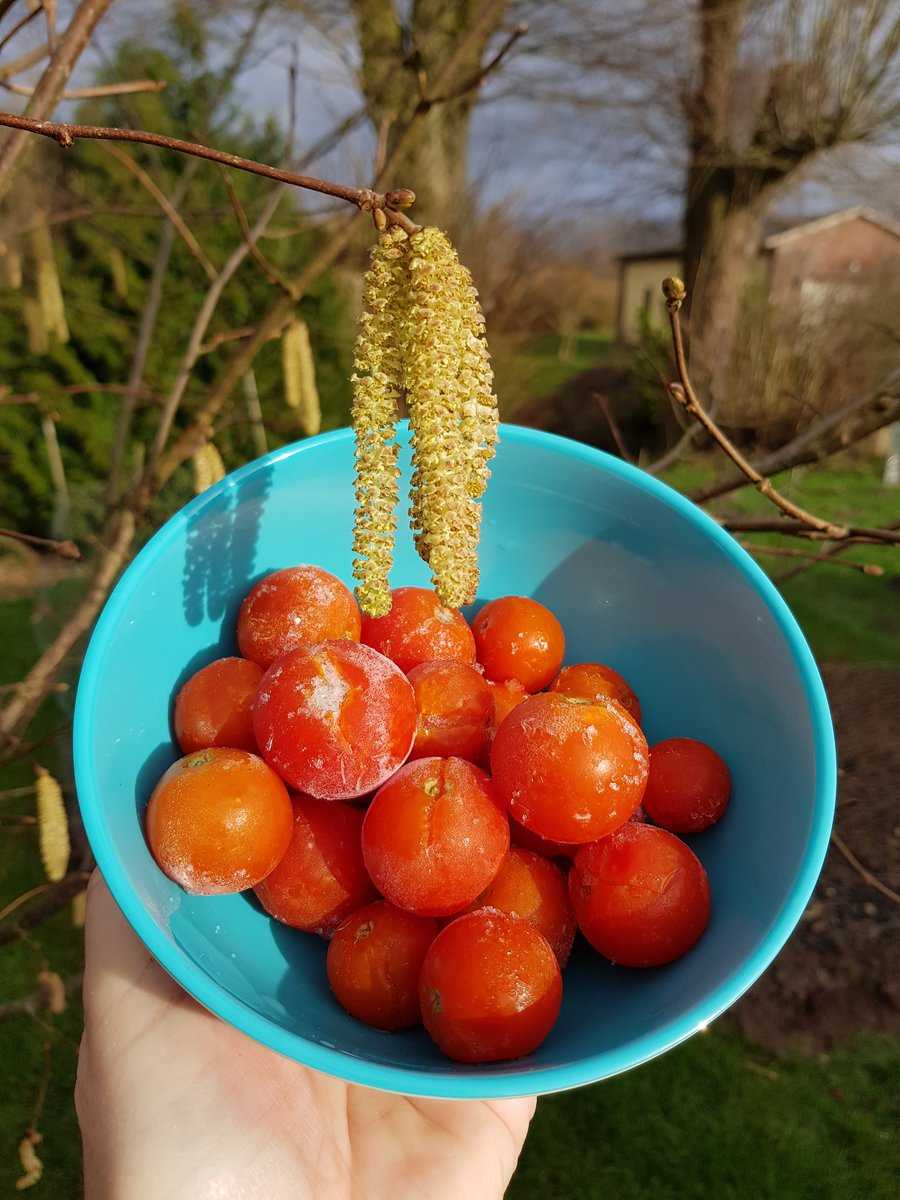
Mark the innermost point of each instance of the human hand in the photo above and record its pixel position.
(174, 1103)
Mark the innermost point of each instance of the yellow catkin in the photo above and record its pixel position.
(118, 272)
(31, 1164)
(208, 467)
(49, 292)
(53, 828)
(378, 383)
(53, 991)
(38, 342)
(299, 370)
(452, 413)
(12, 267)
(79, 909)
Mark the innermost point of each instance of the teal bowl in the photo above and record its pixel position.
(640, 578)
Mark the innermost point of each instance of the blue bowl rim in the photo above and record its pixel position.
(466, 1083)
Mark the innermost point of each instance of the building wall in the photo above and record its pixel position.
(639, 290)
(834, 262)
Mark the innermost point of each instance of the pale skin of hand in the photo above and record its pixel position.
(173, 1103)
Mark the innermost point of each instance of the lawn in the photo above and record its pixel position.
(715, 1118)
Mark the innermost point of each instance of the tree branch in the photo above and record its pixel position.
(20, 24)
(52, 83)
(482, 74)
(53, 897)
(684, 394)
(181, 228)
(64, 549)
(128, 87)
(67, 134)
(31, 690)
(864, 874)
(825, 559)
(39, 1001)
(268, 269)
(850, 533)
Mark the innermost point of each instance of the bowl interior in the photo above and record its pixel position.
(639, 579)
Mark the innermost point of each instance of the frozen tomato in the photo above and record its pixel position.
(520, 836)
(518, 638)
(570, 771)
(419, 629)
(490, 988)
(455, 709)
(218, 821)
(689, 785)
(321, 878)
(531, 887)
(595, 681)
(334, 720)
(294, 608)
(374, 962)
(506, 696)
(214, 707)
(641, 896)
(434, 836)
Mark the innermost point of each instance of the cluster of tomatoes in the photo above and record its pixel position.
(418, 749)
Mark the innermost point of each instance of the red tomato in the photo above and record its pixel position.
(490, 988)
(506, 696)
(374, 962)
(335, 720)
(455, 709)
(531, 887)
(594, 682)
(520, 836)
(517, 638)
(434, 836)
(419, 629)
(689, 785)
(214, 707)
(321, 878)
(292, 609)
(218, 821)
(570, 771)
(641, 896)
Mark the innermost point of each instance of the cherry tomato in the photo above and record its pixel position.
(490, 988)
(419, 629)
(518, 638)
(455, 709)
(506, 696)
(218, 821)
(292, 609)
(335, 720)
(595, 681)
(520, 836)
(570, 771)
(689, 785)
(321, 878)
(374, 962)
(434, 836)
(214, 707)
(531, 887)
(641, 896)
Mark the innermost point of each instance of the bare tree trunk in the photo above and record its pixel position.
(51, 85)
(399, 69)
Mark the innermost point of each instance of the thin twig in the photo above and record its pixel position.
(226, 336)
(825, 555)
(853, 533)
(268, 269)
(603, 404)
(863, 872)
(826, 560)
(481, 75)
(684, 394)
(39, 1001)
(15, 66)
(67, 134)
(26, 20)
(16, 793)
(65, 549)
(54, 896)
(128, 87)
(181, 228)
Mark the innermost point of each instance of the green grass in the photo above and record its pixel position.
(697, 1123)
(536, 369)
(716, 1120)
(847, 616)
